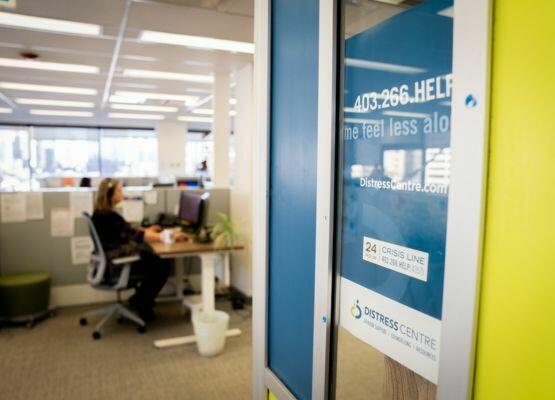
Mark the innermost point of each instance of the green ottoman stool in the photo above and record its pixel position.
(24, 297)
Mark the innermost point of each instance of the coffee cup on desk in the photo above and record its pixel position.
(167, 236)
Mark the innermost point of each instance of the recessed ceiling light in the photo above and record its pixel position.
(199, 42)
(126, 99)
(48, 66)
(61, 113)
(135, 107)
(47, 88)
(158, 96)
(135, 116)
(172, 76)
(57, 103)
(209, 111)
(192, 118)
(13, 20)
(232, 101)
(5, 110)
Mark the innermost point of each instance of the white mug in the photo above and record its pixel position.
(167, 236)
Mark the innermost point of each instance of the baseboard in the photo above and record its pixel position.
(82, 294)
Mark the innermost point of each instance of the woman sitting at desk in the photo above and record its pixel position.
(120, 239)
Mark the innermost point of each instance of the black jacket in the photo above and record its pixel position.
(118, 237)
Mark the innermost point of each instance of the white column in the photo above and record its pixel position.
(242, 191)
(221, 129)
(172, 137)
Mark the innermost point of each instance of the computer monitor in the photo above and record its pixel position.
(193, 208)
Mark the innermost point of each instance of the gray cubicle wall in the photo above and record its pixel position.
(29, 246)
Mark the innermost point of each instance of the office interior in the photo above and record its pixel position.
(157, 95)
(211, 115)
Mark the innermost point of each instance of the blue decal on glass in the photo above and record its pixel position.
(397, 135)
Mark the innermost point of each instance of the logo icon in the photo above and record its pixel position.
(470, 101)
(356, 311)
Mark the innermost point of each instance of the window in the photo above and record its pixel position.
(129, 152)
(31, 154)
(15, 173)
(198, 148)
(62, 152)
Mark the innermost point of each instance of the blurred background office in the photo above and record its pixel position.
(157, 94)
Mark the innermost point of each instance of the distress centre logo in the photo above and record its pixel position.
(356, 311)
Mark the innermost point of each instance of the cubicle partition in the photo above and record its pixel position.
(32, 244)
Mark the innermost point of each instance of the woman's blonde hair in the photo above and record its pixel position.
(105, 194)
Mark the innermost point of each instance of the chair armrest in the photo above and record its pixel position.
(125, 260)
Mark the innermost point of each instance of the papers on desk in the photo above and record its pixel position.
(34, 205)
(13, 207)
(61, 222)
(81, 202)
(81, 249)
(133, 210)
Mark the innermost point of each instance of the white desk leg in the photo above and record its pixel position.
(227, 272)
(179, 265)
(208, 266)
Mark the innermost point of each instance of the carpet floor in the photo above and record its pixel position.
(58, 360)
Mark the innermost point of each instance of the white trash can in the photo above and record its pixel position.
(210, 331)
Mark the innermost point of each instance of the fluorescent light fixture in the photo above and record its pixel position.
(134, 85)
(126, 99)
(361, 121)
(135, 107)
(61, 113)
(446, 12)
(157, 96)
(136, 116)
(198, 90)
(203, 111)
(199, 42)
(172, 76)
(13, 20)
(192, 118)
(48, 66)
(405, 114)
(5, 110)
(232, 101)
(380, 66)
(394, 2)
(56, 103)
(209, 111)
(47, 88)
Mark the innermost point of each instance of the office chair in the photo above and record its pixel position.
(95, 276)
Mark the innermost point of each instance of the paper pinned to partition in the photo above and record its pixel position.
(13, 207)
(61, 222)
(151, 197)
(81, 202)
(133, 210)
(35, 205)
(81, 249)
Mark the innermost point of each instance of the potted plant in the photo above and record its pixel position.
(224, 233)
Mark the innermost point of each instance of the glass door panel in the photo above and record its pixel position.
(394, 187)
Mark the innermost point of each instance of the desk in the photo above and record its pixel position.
(207, 254)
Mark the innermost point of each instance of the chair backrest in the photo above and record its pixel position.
(97, 266)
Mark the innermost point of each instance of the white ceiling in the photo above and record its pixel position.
(222, 19)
